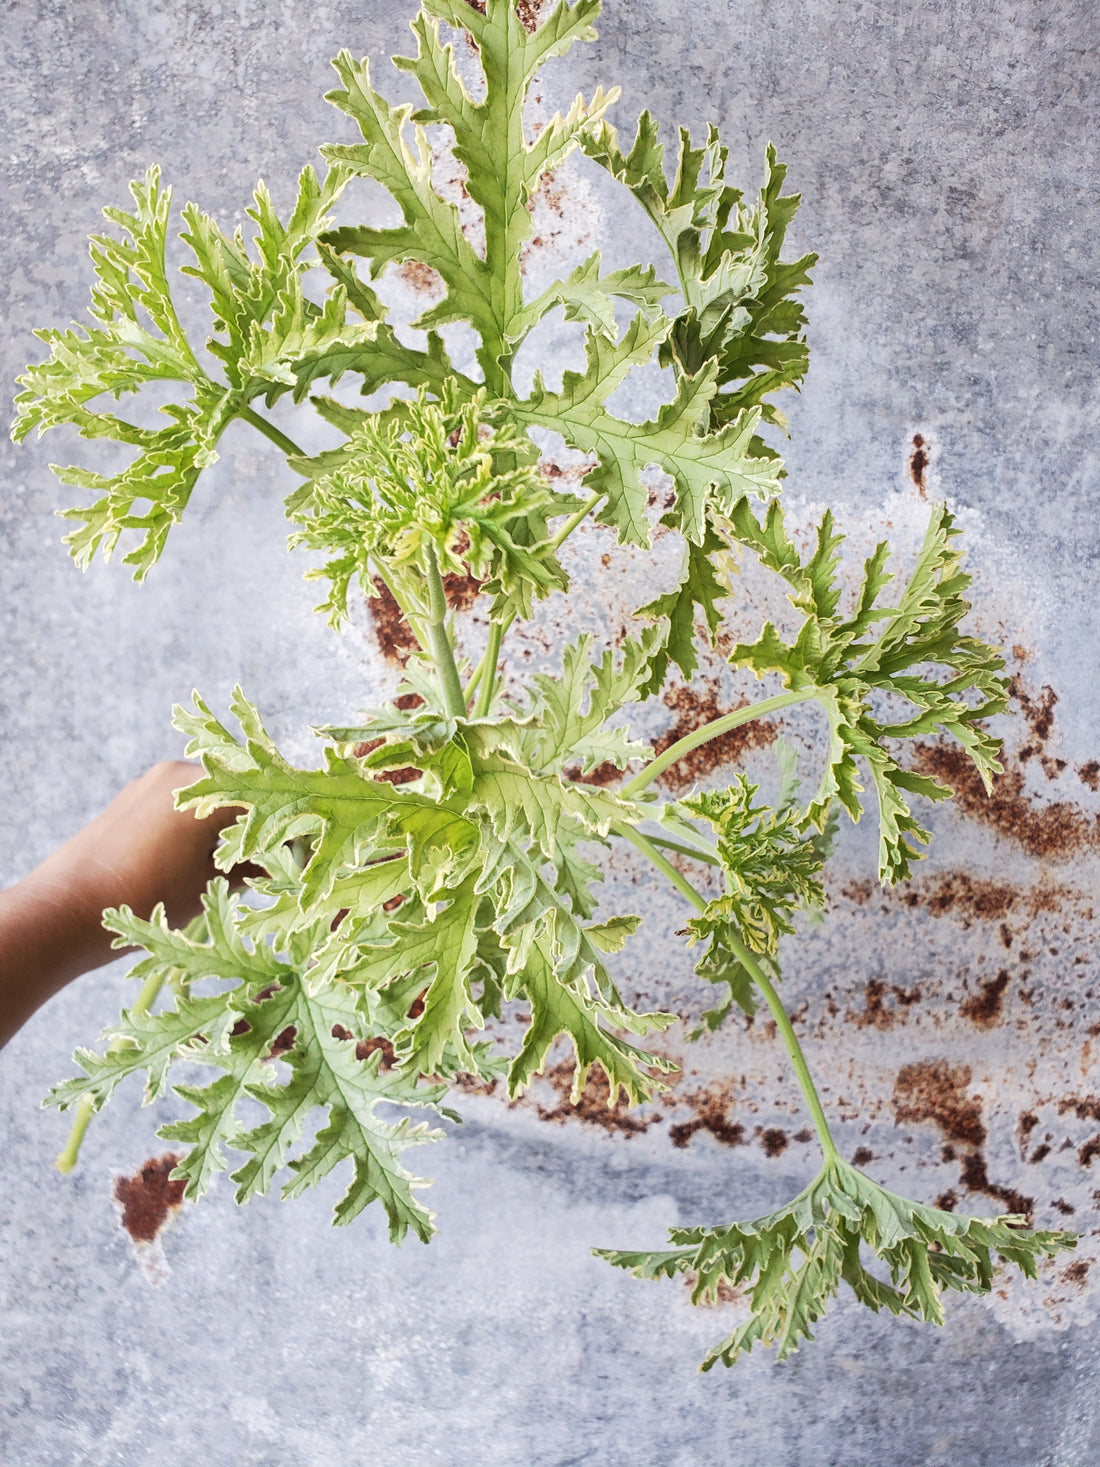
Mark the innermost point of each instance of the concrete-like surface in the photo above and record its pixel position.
(946, 154)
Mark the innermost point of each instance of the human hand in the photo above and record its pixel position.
(138, 852)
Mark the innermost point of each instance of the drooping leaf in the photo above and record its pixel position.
(789, 1264)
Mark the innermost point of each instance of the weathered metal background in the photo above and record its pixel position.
(947, 159)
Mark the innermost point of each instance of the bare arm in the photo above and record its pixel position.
(140, 851)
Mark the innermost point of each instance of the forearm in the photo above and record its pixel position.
(49, 935)
(139, 852)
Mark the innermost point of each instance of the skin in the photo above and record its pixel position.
(140, 851)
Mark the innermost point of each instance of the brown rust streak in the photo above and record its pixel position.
(934, 1090)
(694, 709)
(592, 1109)
(984, 1009)
(1051, 832)
(149, 1197)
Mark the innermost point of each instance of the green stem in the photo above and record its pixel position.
(489, 677)
(576, 519)
(790, 1042)
(695, 852)
(710, 731)
(439, 643)
(269, 430)
(67, 1156)
(647, 848)
(752, 966)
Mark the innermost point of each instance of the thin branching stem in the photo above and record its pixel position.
(712, 730)
(488, 670)
(85, 1109)
(269, 430)
(756, 972)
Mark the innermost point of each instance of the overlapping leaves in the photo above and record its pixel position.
(269, 1012)
(788, 1265)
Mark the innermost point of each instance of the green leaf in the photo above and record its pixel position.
(565, 723)
(699, 589)
(790, 1263)
(724, 464)
(879, 650)
(558, 1008)
(740, 311)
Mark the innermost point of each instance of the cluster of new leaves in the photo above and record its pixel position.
(788, 1265)
(770, 870)
(846, 662)
(431, 487)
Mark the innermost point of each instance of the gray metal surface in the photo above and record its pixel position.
(947, 159)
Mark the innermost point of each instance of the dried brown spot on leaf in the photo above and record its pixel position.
(149, 1197)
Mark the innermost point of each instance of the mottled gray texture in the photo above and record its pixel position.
(947, 157)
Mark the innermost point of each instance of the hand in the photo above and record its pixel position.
(140, 851)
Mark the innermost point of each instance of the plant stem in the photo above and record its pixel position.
(269, 430)
(67, 1156)
(694, 852)
(647, 848)
(576, 519)
(790, 1041)
(439, 643)
(752, 966)
(489, 676)
(712, 730)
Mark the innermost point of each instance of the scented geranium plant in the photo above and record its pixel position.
(442, 861)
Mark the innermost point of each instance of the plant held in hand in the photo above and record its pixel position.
(434, 868)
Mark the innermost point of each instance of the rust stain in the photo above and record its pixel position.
(149, 1197)
(529, 12)
(934, 1090)
(366, 1047)
(693, 710)
(1077, 1272)
(391, 631)
(975, 1178)
(774, 1141)
(461, 591)
(876, 1014)
(862, 1155)
(918, 462)
(592, 1109)
(283, 1041)
(984, 1009)
(603, 774)
(1089, 774)
(1051, 832)
(710, 1109)
(420, 277)
(1038, 712)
